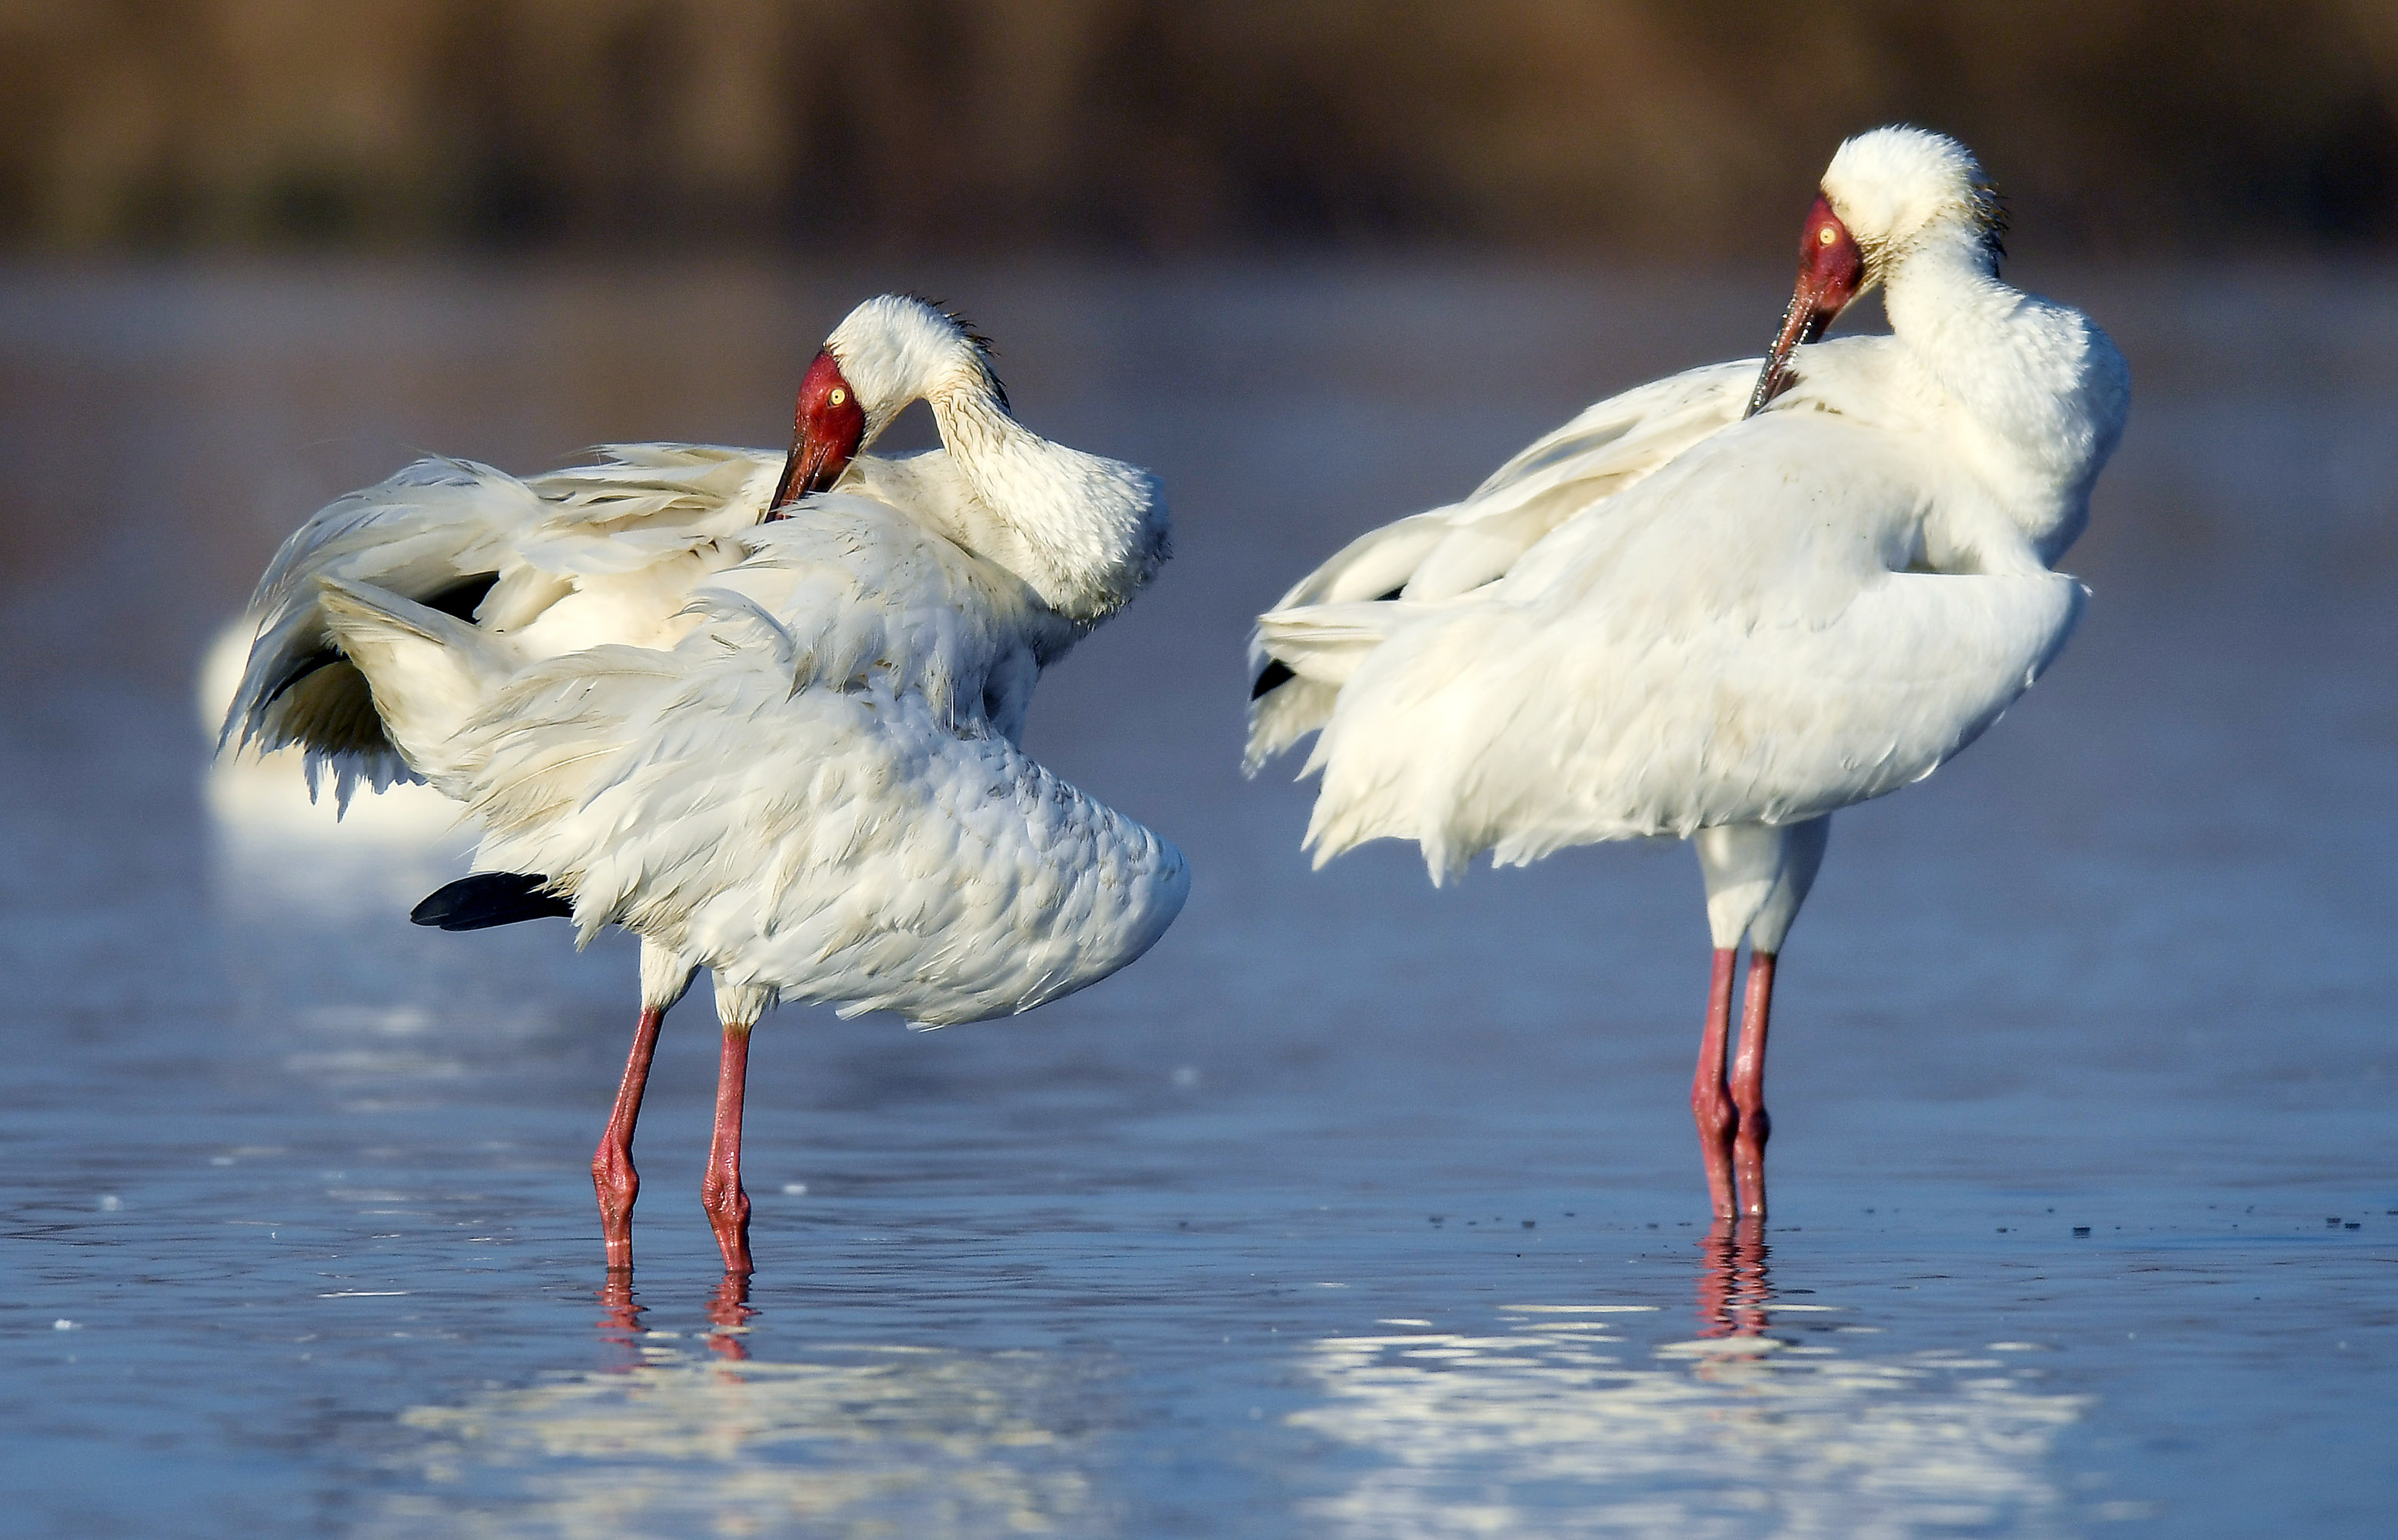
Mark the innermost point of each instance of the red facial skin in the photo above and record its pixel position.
(1831, 270)
(826, 428)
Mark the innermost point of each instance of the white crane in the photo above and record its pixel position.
(803, 774)
(1722, 612)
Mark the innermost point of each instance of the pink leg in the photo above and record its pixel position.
(613, 1175)
(1749, 1087)
(719, 1192)
(1710, 1102)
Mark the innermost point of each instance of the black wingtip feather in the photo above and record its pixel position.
(462, 598)
(1273, 677)
(487, 898)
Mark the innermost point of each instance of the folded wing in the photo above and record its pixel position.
(1611, 446)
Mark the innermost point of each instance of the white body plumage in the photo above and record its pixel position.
(816, 795)
(1665, 617)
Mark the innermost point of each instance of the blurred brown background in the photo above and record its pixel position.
(1169, 126)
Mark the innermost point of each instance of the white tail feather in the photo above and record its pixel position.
(429, 672)
(1325, 643)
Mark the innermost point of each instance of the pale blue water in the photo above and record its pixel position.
(1357, 1209)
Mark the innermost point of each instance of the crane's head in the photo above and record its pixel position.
(1887, 195)
(890, 351)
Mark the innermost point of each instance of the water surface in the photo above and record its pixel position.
(1356, 1208)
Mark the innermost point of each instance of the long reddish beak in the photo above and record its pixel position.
(1831, 270)
(812, 465)
(827, 427)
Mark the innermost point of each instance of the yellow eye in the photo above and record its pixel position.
(839, 395)
(1826, 236)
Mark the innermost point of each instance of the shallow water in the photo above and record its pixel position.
(1357, 1209)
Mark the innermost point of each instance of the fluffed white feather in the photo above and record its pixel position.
(1454, 550)
(600, 553)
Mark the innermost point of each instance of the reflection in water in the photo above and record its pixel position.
(1763, 1424)
(1733, 1288)
(684, 1438)
(311, 904)
(729, 1310)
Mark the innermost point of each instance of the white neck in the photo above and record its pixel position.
(1960, 321)
(2043, 386)
(1083, 532)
